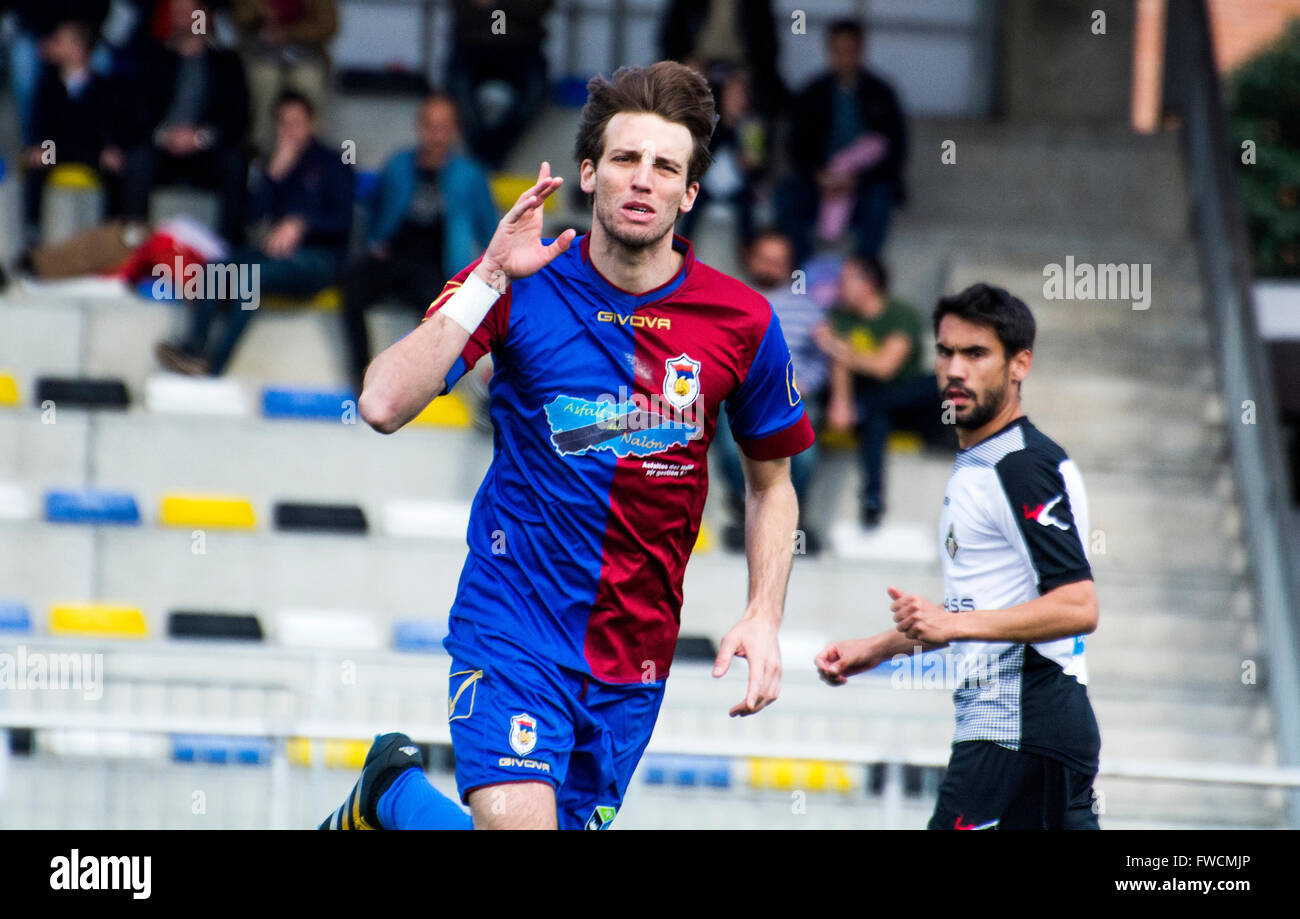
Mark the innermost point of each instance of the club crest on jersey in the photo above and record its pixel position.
(681, 381)
(523, 733)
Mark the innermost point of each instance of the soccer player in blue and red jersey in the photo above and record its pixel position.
(613, 359)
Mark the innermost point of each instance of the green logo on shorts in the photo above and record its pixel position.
(601, 817)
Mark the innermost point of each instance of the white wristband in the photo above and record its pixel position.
(470, 303)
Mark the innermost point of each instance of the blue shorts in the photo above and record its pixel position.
(516, 717)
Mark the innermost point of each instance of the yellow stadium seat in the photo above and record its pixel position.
(97, 619)
(904, 442)
(339, 754)
(771, 774)
(899, 441)
(328, 300)
(704, 540)
(73, 177)
(220, 511)
(8, 390)
(508, 186)
(449, 411)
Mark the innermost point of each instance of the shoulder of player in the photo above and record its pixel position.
(1040, 459)
(710, 284)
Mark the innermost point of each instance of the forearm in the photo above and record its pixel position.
(771, 515)
(891, 642)
(407, 376)
(1061, 613)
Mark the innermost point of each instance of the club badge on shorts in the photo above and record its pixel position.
(523, 733)
(681, 381)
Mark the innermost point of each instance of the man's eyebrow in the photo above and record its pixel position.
(660, 158)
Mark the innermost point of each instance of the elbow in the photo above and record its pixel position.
(378, 412)
(1088, 617)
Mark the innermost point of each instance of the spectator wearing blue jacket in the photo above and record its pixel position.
(303, 199)
(431, 215)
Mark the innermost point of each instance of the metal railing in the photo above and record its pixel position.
(1192, 90)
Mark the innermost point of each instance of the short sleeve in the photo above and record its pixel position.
(490, 333)
(1041, 517)
(766, 411)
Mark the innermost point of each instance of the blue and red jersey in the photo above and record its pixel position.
(603, 405)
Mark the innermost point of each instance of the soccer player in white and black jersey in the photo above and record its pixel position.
(1018, 590)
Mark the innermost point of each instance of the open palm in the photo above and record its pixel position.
(516, 249)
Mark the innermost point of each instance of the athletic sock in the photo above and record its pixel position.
(412, 803)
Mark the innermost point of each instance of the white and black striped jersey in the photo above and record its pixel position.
(1014, 526)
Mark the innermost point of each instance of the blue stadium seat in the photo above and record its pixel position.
(424, 635)
(91, 506)
(14, 617)
(317, 404)
(217, 748)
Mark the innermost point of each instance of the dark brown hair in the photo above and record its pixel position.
(668, 89)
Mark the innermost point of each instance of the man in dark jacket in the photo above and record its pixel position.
(847, 110)
(75, 120)
(304, 197)
(189, 120)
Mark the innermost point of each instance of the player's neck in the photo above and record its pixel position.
(633, 270)
(1010, 412)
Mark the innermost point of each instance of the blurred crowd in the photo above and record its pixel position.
(232, 96)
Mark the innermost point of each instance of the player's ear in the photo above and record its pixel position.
(688, 197)
(587, 176)
(1020, 365)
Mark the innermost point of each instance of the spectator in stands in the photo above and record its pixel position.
(304, 198)
(727, 34)
(769, 265)
(188, 119)
(432, 214)
(497, 73)
(285, 45)
(33, 22)
(847, 147)
(740, 156)
(75, 120)
(877, 375)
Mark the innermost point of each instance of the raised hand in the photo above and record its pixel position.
(516, 249)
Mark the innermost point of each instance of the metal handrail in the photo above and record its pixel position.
(1192, 90)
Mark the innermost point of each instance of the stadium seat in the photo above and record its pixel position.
(14, 617)
(770, 774)
(228, 512)
(170, 393)
(14, 504)
(338, 754)
(426, 519)
(91, 505)
(79, 392)
(508, 186)
(703, 539)
(217, 748)
(687, 771)
(327, 300)
(208, 625)
(98, 619)
(449, 411)
(424, 635)
(314, 628)
(8, 391)
(71, 201)
(695, 648)
(308, 404)
(319, 518)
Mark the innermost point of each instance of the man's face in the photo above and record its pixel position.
(640, 182)
(858, 291)
(64, 47)
(293, 126)
(182, 16)
(844, 54)
(436, 130)
(770, 262)
(973, 372)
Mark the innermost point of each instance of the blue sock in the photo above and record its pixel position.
(412, 803)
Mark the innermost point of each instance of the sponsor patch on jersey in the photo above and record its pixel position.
(1043, 513)
(601, 817)
(681, 381)
(523, 733)
(624, 428)
(463, 686)
(951, 543)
